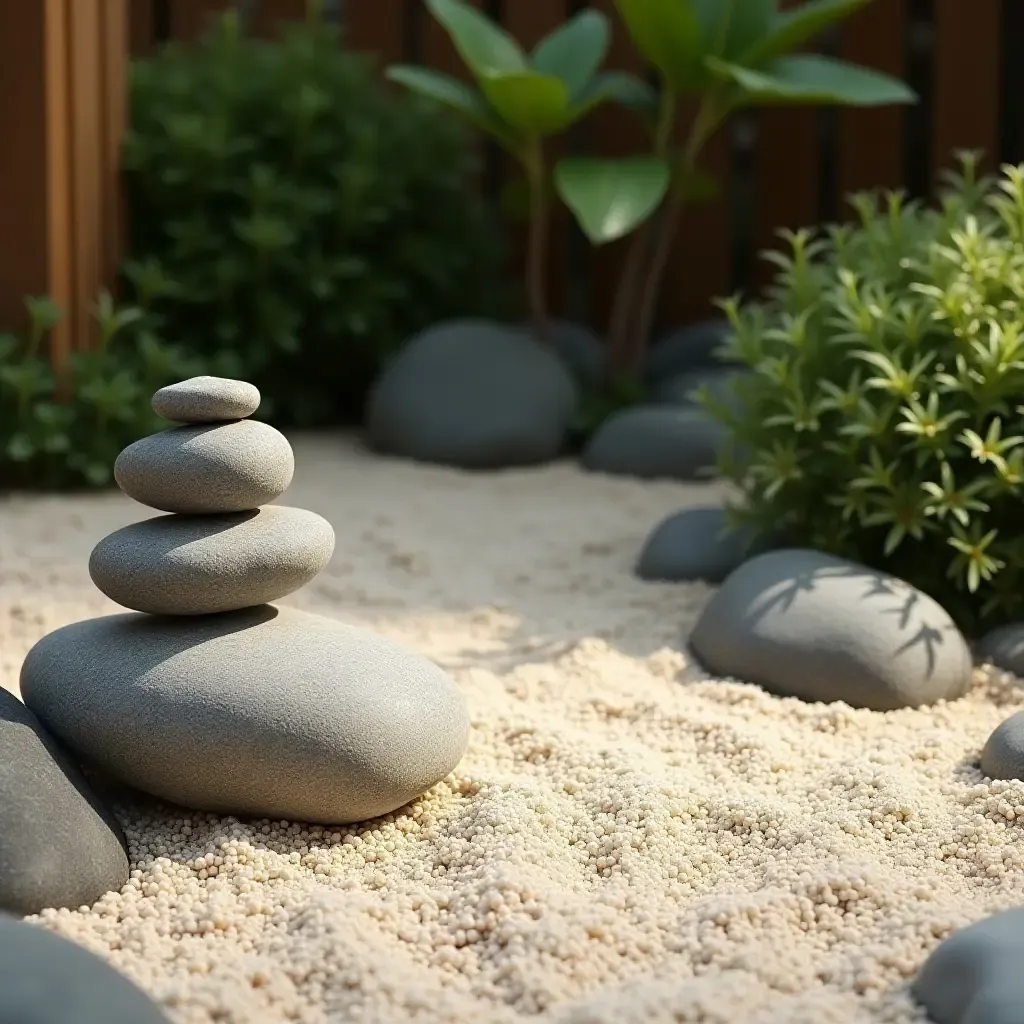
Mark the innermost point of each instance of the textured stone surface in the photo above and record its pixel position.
(226, 467)
(268, 712)
(975, 976)
(686, 348)
(1003, 754)
(694, 544)
(59, 846)
(655, 441)
(1004, 648)
(206, 400)
(45, 979)
(194, 565)
(473, 394)
(804, 624)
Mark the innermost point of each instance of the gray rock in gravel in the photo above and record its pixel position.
(225, 467)
(1004, 648)
(1003, 754)
(473, 394)
(686, 348)
(45, 979)
(267, 712)
(196, 565)
(656, 441)
(682, 389)
(695, 544)
(975, 976)
(206, 400)
(59, 846)
(582, 350)
(805, 624)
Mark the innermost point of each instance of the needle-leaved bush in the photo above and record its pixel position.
(883, 417)
(288, 206)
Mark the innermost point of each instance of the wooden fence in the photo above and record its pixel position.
(60, 64)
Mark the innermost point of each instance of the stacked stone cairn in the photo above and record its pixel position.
(206, 694)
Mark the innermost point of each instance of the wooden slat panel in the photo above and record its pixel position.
(270, 14)
(437, 50)
(529, 23)
(871, 141)
(115, 45)
(190, 18)
(613, 132)
(966, 101)
(142, 27)
(786, 178)
(377, 28)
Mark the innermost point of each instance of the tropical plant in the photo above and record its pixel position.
(880, 418)
(729, 54)
(287, 207)
(522, 99)
(71, 443)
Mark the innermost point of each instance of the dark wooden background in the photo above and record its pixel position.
(779, 168)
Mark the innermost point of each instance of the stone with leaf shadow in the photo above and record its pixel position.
(692, 347)
(59, 844)
(696, 544)
(46, 979)
(975, 976)
(656, 442)
(802, 623)
(473, 394)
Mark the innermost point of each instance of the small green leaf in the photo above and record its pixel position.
(668, 34)
(485, 47)
(619, 87)
(730, 28)
(790, 29)
(610, 198)
(809, 78)
(452, 93)
(575, 51)
(530, 102)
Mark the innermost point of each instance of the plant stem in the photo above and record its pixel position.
(708, 118)
(537, 244)
(623, 305)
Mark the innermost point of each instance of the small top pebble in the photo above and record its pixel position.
(206, 400)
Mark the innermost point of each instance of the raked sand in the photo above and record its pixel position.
(624, 840)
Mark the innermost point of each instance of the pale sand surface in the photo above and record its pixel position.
(624, 841)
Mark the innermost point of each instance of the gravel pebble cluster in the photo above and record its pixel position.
(624, 840)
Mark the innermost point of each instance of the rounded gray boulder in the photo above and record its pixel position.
(974, 976)
(682, 389)
(1003, 754)
(45, 979)
(692, 347)
(206, 400)
(197, 565)
(695, 544)
(580, 348)
(207, 468)
(656, 442)
(59, 845)
(473, 394)
(267, 712)
(805, 624)
(1004, 648)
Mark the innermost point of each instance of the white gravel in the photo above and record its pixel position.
(623, 842)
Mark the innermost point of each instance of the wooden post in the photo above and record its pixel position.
(62, 69)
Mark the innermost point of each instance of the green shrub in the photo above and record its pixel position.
(287, 206)
(882, 419)
(51, 444)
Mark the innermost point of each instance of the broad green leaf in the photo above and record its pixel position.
(610, 198)
(452, 93)
(619, 87)
(730, 27)
(668, 34)
(791, 29)
(575, 51)
(809, 78)
(530, 102)
(485, 47)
